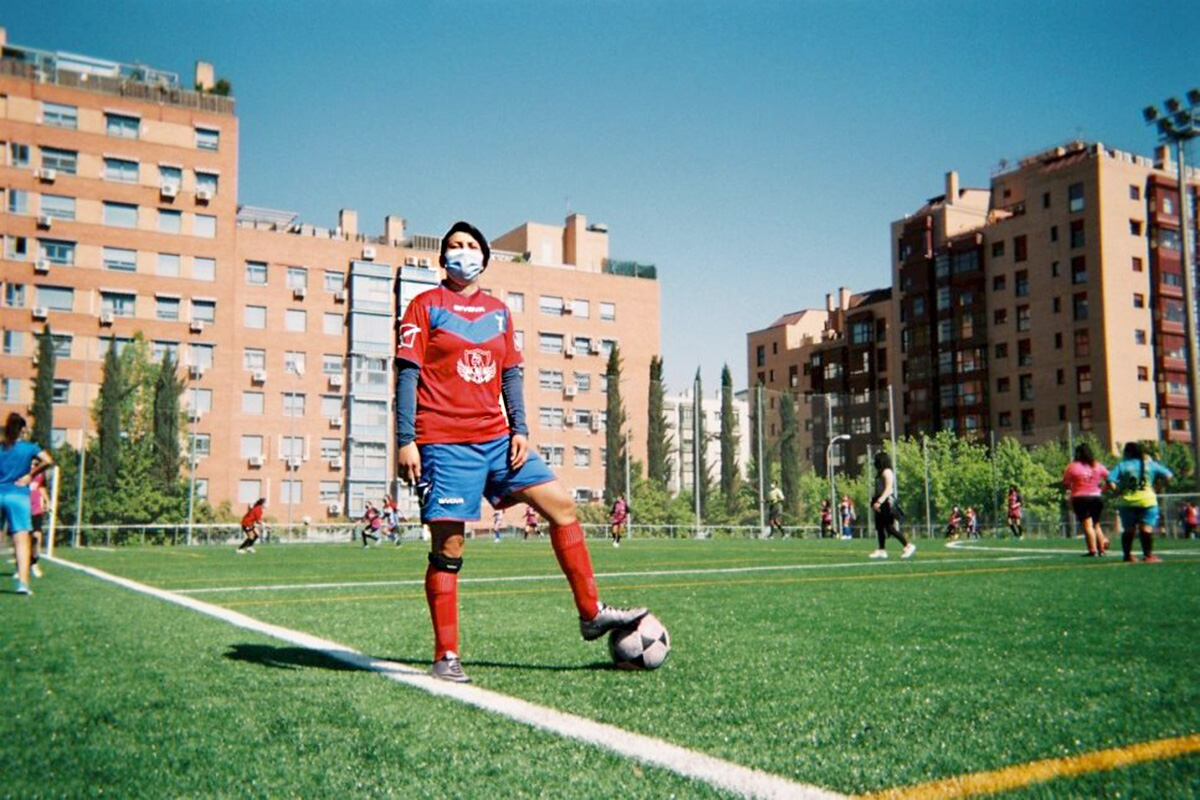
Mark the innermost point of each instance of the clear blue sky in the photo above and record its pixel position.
(756, 152)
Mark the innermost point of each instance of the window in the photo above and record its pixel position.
(1024, 353)
(207, 139)
(997, 249)
(334, 281)
(295, 362)
(293, 404)
(202, 445)
(166, 308)
(1135, 192)
(199, 401)
(13, 341)
(256, 273)
(249, 491)
(1004, 420)
(550, 342)
(1135, 227)
(608, 311)
(1139, 336)
(1139, 300)
(170, 176)
(119, 259)
(1054, 233)
(1075, 198)
(204, 310)
(1079, 303)
(1020, 249)
(1001, 350)
(331, 324)
(204, 225)
(331, 364)
(61, 394)
(1143, 373)
(295, 320)
(550, 417)
(57, 251)
(861, 332)
(57, 206)
(1058, 341)
(10, 390)
(999, 283)
(583, 381)
(250, 445)
(122, 126)
(291, 492)
(59, 115)
(1025, 384)
(583, 456)
(1021, 284)
(291, 447)
(18, 201)
(120, 215)
(1077, 236)
(1027, 421)
(552, 306)
(1168, 205)
(1144, 409)
(1060, 376)
(254, 358)
(552, 454)
(55, 298)
(1057, 306)
(18, 155)
(331, 448)
(329, 492)
(1003, 385)
(161, 348)
(1083, 379)
(297, 278)
(201, 355)
(331, 406)
(1083, 344)
(580, 309)
(16, 248)
(1000, 316)
(1079, 270)
(120, 170)
(550, 379)
(170, 221)
(167, 265)
(207, 182)
(943, 298)
(1023, 319)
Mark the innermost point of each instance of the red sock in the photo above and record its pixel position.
(572, 553)
(441, 590)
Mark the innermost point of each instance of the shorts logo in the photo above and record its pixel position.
(450, 501)
(408, 335)
(476, 366)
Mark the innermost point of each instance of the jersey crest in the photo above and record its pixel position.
(476, 366)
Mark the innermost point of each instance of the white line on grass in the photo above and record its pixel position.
(1059, 552)
(658, 573)
(690, 764)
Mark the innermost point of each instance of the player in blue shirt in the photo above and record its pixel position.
(16, 471)
(1134, 479)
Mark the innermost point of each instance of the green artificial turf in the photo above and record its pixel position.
(853, 675)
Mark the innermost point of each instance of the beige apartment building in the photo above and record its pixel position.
(120, 215)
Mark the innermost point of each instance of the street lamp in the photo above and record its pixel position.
(295, 367)
(841, 437)
(1176, 124)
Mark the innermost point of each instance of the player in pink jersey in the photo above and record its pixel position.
(455, 359)
(1084, 478)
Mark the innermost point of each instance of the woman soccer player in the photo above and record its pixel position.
(618, 519)
(883, 504)
(252, 525)
(1084, 478)
(455, 359)
(826, 520)
(1015, 511)
(1134, 477)
(16, 471)
(848, 517)
(531, 522)
(39, 501)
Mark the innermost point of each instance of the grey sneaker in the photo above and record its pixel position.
(21, 587)
(449, 668)
(35, 570)
(608, 618)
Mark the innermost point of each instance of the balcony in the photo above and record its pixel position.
(630, 269)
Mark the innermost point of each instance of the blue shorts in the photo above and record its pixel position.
(455, 477)
(14, 509)
(1132, 518)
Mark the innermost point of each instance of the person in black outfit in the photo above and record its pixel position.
(883, 503)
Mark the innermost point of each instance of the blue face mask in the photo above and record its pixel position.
(464, 265)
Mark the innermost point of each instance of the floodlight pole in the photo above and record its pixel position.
(1177, 126)
(194, 415)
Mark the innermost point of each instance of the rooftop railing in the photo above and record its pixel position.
(631, 269)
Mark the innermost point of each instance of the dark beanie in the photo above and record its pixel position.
(475, 233)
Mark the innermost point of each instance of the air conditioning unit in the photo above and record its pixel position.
(595, 424)
(425, 262)
(293, 463)
(299, 293)
(46, 174)
(203, 195)
(570, 390)
(339, 296)
(107, 317)
(369, 253)
(258, 460)
(411, 261)
(40, 312)
(335, 381)
(42, 266)
(594, 348)
(196, 326)
(259, 376)
(334, 508)
(335, 463)
(168, 190)
(193, 416)
(568, 351)
(569, 421)
(335, 422)
(44, 221)
(195, 371)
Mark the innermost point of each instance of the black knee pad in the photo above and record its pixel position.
(443, 564)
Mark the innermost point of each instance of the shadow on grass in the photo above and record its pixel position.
(299, 658)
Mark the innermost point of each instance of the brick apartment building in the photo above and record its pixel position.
(120, 215)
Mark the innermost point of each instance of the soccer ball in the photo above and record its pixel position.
(643, 647)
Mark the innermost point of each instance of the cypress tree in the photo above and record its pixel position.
(112, 393)
(789, 456)
(658, 443)
(614, 438)
(43, 391)
(167, 390)
(729, 443)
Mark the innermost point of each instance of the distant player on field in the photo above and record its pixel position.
(16, 471)
(886, 512)
(1016, 510)
(1134, 478)
(39, 501)
(531, 522)
(252, 525)
(497, 524)
(455, 358)
(618, 519)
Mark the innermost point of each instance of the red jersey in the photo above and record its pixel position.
(253, 517)
(462, 345)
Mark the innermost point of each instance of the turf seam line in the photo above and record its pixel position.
(686, 763)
